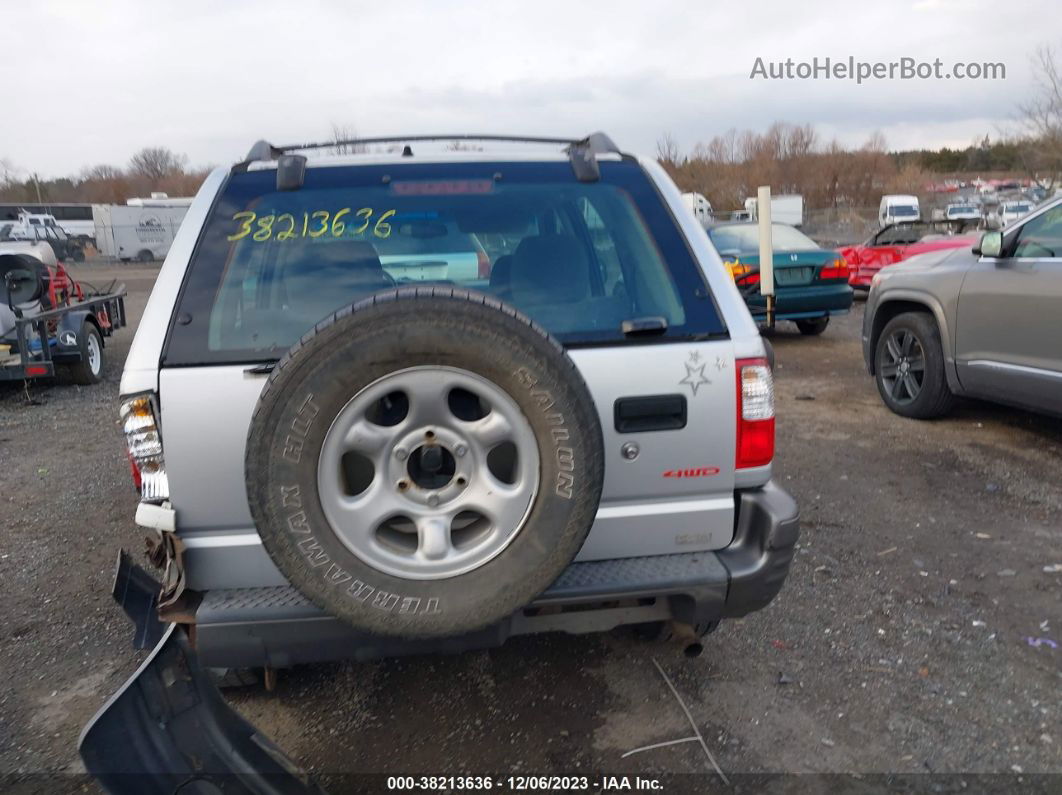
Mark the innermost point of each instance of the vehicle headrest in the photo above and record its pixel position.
(550, 269)
(501, 273)
(349, 253)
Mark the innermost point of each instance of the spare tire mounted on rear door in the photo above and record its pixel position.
(424, 463)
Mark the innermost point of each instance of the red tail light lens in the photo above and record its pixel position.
(838, 269)
(755, 413)
(144, 443)
(138, 479)
(484, 264)
(743, 274)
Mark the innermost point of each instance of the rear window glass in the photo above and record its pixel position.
(745, 239)
(579, 258)
(902, 211)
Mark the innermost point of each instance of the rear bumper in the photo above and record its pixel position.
(792, 303)
(278, 627)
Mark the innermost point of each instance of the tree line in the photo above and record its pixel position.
(153, 168)
(792, 159)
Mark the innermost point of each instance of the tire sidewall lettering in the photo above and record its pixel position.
(564, 456)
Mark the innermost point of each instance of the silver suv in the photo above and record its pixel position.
(348, 446)
(979, 323)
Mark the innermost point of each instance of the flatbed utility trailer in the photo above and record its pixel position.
(36, 360)
(47, 319)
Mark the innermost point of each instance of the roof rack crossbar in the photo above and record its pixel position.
(582, 152)
(530, 139)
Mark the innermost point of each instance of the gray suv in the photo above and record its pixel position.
(982, 323)
(344, 455)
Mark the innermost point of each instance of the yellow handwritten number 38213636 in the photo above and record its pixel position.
(317, 223)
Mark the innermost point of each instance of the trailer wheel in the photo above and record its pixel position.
(90, 369)
(145, 255)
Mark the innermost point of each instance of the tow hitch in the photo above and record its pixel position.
(168, 729)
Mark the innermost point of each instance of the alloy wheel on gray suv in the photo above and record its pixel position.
(909, 367)
(903, 366)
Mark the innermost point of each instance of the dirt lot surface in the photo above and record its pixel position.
(904, 640)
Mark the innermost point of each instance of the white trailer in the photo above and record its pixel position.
(785, 209)
(142, 231)
(700, 207)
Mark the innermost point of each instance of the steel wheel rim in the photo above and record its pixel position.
(903, 366)
(406, 521)
(94, 358)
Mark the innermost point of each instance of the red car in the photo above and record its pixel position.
(898, 242)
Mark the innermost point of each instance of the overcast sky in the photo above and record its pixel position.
(92, 82)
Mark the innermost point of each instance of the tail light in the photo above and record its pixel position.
(837, 269)
(743, 273)
(755, 413)
(484, 264)
(144, 443)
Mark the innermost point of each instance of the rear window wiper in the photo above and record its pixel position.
(644, 326)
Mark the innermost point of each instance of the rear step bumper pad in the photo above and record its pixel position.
(169, 730)
(277, 626)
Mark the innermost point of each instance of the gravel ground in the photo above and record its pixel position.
(899, 644)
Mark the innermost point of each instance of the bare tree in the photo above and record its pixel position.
(342, 134)
(100, 173)
(9, 172)
(1042, 116)
(155, 163)
(667, 150)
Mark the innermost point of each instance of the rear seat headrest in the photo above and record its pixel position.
(550, 269)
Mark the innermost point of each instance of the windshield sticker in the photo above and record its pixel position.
(313, 224)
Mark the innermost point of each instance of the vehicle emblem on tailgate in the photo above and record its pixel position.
(694, 377)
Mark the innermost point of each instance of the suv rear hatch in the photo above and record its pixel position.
(602, 265)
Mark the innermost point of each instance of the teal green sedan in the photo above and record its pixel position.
(810, 282)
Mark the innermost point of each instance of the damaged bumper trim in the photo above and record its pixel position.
(169, 730)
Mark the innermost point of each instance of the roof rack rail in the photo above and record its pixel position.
(581, 151)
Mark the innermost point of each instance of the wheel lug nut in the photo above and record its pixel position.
(403, 485)
(401, 454)
(433, 500)
(460, 450)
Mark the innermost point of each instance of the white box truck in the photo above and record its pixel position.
(898, 208)
(785, 209)
(142, 229)
(700, 207)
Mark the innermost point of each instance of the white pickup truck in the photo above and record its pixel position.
(41, 227)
